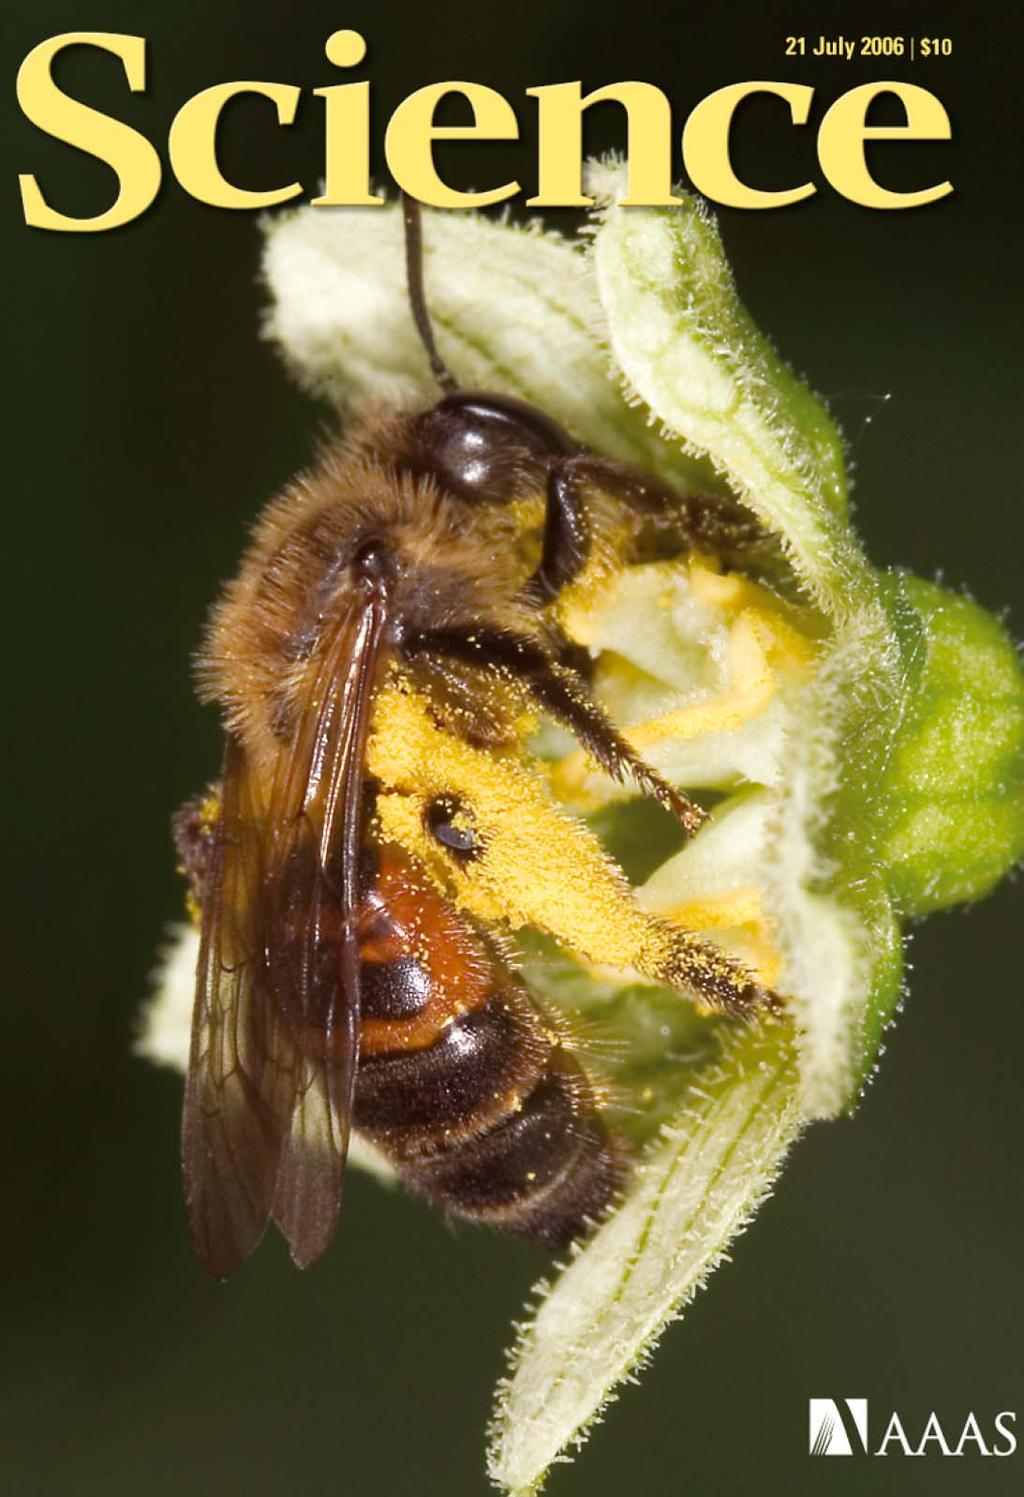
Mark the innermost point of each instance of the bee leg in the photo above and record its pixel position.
(566, 542)
(563, 693)
(692, 966)
(709, 522)
(192, 830)
(572, 657)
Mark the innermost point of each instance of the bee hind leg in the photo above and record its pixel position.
(192, 831)
(684, 961)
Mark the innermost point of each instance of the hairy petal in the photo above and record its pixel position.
(689, 350)
(513, 309)
(698, 1187)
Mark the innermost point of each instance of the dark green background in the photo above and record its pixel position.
(146, 426)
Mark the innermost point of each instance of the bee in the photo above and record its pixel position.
(377, 833)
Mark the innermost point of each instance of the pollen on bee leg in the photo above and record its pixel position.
(682, 960)
(740, 914)
(534, 867)
(192, 827)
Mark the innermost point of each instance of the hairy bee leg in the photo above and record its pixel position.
(566, 543)
(191, 830)
(683, 961)
(716, 524)
(708, 522)
(559, 691)
(529, 866)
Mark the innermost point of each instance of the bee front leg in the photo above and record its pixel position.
(566, 543)
(707, 522)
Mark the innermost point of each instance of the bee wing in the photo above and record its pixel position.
(275, 1039)
(311, 895)
(237, 1094)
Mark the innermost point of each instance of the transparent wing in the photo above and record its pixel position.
(238, 1095)
(275, 1039)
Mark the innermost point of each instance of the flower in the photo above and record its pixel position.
(860, 732)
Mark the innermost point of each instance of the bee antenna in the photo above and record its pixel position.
(417, 298)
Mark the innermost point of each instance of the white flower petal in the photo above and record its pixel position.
(600, 1319)
(513, 309)
(689, 350)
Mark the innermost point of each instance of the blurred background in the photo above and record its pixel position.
(147, 425)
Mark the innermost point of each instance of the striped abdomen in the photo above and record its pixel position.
(478, 1104)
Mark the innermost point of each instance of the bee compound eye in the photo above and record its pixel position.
(478, 444)
(451, 823)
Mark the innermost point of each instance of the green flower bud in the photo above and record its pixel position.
(950, 807)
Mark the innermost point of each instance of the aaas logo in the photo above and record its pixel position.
(831, 1428)
(840, 1427)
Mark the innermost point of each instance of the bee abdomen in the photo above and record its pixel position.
(544, 1171)
(495, 1122)
(469, 1091)
(453, 1085)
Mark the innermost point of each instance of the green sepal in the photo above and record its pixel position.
(950, 806)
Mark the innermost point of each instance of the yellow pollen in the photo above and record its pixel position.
(763, 648)
(740, 912)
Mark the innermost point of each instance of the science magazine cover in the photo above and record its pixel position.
(516, 770)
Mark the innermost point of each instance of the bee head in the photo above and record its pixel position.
(480, 445)
(487, 447)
